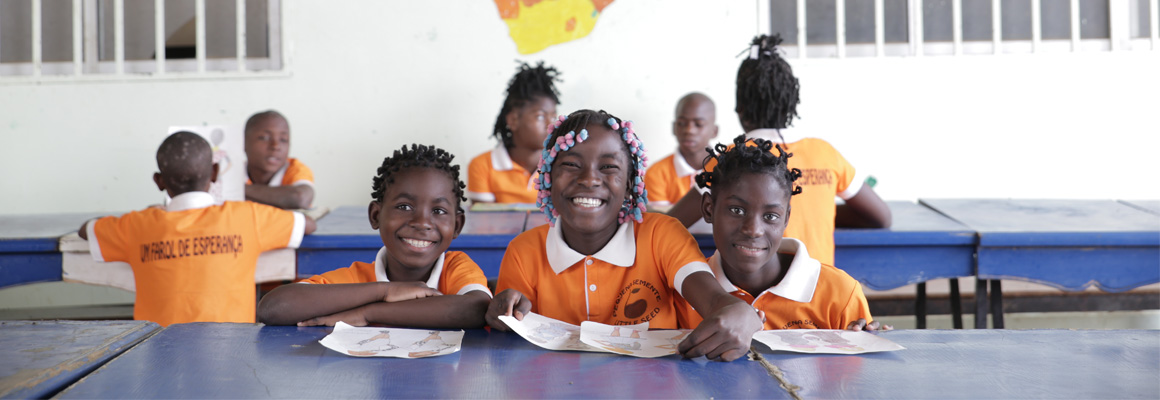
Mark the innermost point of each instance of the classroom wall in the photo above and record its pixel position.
(367, 77)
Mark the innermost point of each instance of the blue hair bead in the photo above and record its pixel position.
(583, 134)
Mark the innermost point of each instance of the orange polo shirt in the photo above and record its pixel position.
(633, 279)
(293, 173)
(194, 261)
(825, 174)
(454, 273)
(812, 295)
(493, 177)
(669, 179)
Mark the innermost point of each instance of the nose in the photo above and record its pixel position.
(421, 221)
(751, 226)
(589, 177)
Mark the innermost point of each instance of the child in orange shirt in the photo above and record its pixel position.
(193, 261)
(767, 99)
(601, 258)
(694, 126)
(748, 205)
(275, 178)
(503, 175)
(414, 280)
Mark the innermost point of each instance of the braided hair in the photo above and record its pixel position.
(767, 91)
(528, 83)
(570, 130)
(418, 156)
(748, 156)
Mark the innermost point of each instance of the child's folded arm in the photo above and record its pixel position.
(729, 324)
(290, 304)
(463, 311)
(294, 197)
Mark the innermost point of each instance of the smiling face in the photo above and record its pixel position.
(267, 148)
(589, 185)
(749, 216)
(695, 124)
(529, 123)
(416, 220)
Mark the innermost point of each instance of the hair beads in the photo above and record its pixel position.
(558, 141)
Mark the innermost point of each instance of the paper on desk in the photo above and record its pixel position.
(825, 341)
(631, 340)
(391, 342)
(548, 333)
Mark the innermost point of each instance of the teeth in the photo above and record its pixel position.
(418, 243)
(748, 249)
(586, 202)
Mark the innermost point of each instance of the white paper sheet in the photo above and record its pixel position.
(548, 333)
(825, 341)
(632, 340)
(392, 342)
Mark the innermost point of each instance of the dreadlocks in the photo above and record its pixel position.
(767, 91)
(417, 156)
(528, 84)
(748, 156)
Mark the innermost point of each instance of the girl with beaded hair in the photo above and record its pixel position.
(602, 258)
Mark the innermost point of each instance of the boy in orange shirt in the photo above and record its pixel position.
(193, 261)
(504, 174)
(274, 177)
(414, 280)
(748, 205)
(602, 258)
(694, 126)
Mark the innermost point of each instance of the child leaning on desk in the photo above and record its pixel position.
(748, 205)
(414, 280)
(193, 261)
(274, 177)
(602, 258)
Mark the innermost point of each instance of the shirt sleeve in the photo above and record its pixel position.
(678, 251)
(107, 239)
(277, 228)
(298, 174)
(513, 272)
(461, 275)
(857, 307)
(848, 181)
(479, 179)
(656, 180)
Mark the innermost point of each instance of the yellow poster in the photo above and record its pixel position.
(536, 24)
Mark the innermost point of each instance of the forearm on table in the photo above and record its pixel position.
(440, 312)
(286, 197)
(293, 303)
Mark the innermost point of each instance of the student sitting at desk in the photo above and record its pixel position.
(274, 177)
(193, 261)
(414, 280)
(748, 205)
(602, 258)
(694, 125)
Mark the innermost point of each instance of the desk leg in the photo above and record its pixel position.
(997, 303)
(956, 304)
(920, 305)
(980, 303)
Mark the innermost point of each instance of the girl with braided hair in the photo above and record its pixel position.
(414, 281)
(504, 174)
(603, 258)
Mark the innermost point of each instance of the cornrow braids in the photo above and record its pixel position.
(418, 156)
(748, 155)
(767, 91)
(564, 136)
(528, 83)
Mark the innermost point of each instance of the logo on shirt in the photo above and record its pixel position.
(815, 176)
(800, 324)
(188, 247)
(640, 300)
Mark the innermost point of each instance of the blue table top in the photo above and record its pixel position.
(39, 232)
(42, 357)
(207, 360)
(1015, 222)
(912, 224)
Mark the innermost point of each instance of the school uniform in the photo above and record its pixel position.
(454, 273)
(194, 261)
(292, 174)
(669, 179)
(812, 295)
(633, 279)
(493, 177)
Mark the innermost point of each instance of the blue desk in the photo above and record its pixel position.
(208, 360)
(28, 246)
(986, 364)
(1068, 244)
(344, 235)
(42, 357)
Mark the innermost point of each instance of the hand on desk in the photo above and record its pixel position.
(353, 317)
(508, 302)
(861, 325)
(725, 335)
(400, 291)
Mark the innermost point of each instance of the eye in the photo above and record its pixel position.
(570, 164)
(737, 210)
(770, 217)
(440, 211)
(609, 166)
(404, 207)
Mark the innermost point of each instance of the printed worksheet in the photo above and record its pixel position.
(825, 341)
(632, 341)
(391, 342)
(549, 333)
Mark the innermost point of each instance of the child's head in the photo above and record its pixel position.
(748, 201)
(695, 123)
(529, 108)
(417, 194)
(267, 137)
(592, 171)
(767, 91)
(186, 164)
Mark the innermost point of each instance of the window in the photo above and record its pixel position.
(45, 40)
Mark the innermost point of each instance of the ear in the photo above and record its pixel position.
(373, 214)
(512, 117)
(707, 207)
(715, 129)
(214, 176)
(160, 183)
(460, 219)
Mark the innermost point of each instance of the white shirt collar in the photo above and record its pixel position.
(789, 135)
(620, 251)
(500, 159)
(189, 201)
(683, 168)
(799, 282)
(381, 269)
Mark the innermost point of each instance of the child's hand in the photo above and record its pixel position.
(861, 325)
(399, 291)
(724, 336)
(352, 317)
(508, 302)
